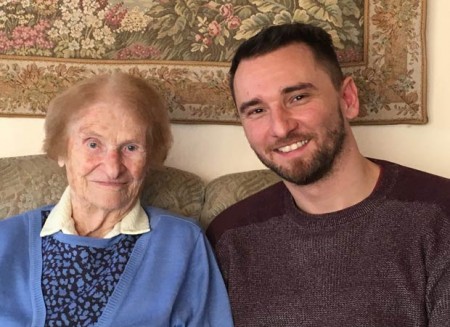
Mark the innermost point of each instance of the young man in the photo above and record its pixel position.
(343, 240)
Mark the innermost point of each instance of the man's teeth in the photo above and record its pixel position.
(292, 147)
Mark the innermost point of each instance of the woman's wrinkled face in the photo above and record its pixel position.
(106, 157)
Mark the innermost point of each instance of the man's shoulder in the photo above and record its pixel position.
(256, 208)
(411, 184)
(408, 176)
(411, 171)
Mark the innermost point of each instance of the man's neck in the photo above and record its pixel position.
(349, 183)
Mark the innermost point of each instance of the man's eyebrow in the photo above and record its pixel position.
(245, 105)
(298, 87)
(256, 101)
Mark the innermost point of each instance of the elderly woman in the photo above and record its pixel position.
(98, 258)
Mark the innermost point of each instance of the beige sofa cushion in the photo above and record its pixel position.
(29, 182)
(175, 190)
(226, 190)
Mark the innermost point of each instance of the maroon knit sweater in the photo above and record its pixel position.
(383, 262)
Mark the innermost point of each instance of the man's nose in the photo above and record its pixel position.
(282, 122)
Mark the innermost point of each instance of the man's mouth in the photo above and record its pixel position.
(293, 146)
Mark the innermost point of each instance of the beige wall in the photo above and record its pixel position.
(213, 150)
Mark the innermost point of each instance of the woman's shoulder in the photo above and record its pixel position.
(16, 232)
(161, 218)
(25, 218)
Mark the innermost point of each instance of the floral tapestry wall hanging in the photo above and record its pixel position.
(184, 49)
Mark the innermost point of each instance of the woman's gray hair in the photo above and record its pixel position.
(134, 93)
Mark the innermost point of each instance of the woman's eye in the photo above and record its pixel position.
(92, 145)
(131, 147)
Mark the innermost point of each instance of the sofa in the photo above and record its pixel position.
(28, 182)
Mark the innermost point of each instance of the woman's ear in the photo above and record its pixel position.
(61, 162)
(349, 98)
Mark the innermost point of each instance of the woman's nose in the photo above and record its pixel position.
(113, 163)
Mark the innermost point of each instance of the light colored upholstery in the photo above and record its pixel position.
(175, 190)
(29, 182)
(226, 190)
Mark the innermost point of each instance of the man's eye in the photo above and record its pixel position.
(255, 111)
(298, 97)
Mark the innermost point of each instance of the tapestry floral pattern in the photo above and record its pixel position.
(184, 48)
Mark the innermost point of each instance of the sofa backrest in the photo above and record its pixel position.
(29, 182)
(226, 190)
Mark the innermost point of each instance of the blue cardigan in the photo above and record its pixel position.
(171, 278)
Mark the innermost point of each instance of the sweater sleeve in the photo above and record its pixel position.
(204, 290)
(437, 253)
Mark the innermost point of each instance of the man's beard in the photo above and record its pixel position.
(320, 165)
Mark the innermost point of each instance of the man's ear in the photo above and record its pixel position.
(349, 98)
